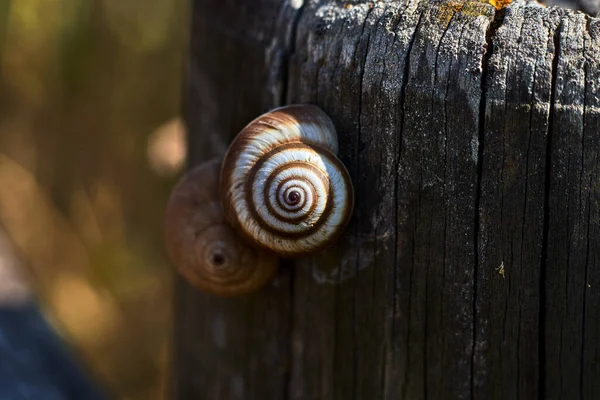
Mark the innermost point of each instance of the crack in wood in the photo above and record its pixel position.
(546, 223)
(490, 34)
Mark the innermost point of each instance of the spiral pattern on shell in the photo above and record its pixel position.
(203, 246)
(282, 184)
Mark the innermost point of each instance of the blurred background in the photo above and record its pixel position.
(91, 142)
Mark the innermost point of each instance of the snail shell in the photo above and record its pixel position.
(282, 185)
(203, 247)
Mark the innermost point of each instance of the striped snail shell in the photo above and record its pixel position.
(282, 185)
(202, 245)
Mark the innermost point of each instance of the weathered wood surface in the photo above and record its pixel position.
(471, 268)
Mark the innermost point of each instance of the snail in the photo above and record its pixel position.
(282, 185)
(203, 247)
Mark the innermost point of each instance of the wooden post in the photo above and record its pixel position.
(471, 267)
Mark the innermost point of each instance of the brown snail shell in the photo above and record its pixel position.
(202, 245)
(282, 185)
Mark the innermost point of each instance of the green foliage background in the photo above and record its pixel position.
(84, 87)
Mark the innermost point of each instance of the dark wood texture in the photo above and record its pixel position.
(471, 267)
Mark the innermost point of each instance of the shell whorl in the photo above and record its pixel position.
(203, 246)
(282, 184)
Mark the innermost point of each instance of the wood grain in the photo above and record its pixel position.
(470, 266)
